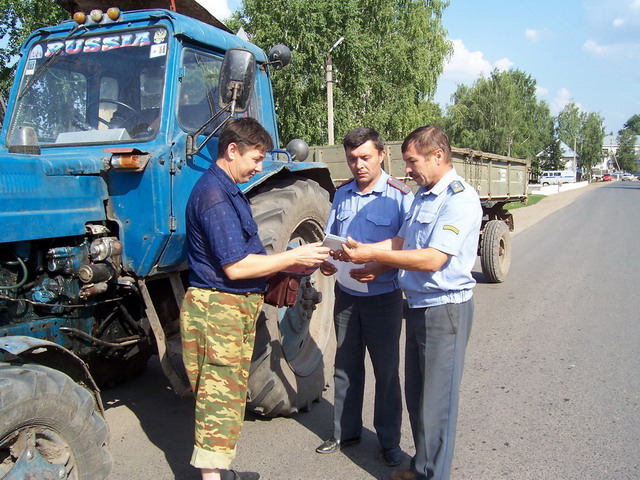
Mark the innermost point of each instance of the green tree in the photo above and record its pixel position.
(386, 70)
(570, 125)
(632, 124)
(551, 157)
(591, 138)
(18, 18)
(584, 133)
(626, 154)
(500, 114)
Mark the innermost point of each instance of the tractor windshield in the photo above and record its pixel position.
(103, 88)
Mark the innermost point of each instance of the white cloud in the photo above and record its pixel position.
(541, 91)
(592, 47)
(531, 34)
(563, 96)
(534, 35)
(466, 66)
(218, 8)
(618, 22)
(621, 51)
(503, 64)
(615, 20)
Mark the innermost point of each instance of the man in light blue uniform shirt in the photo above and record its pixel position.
(370, 207)
(435, 249)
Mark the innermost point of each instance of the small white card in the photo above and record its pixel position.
(334, 242)
(158, 50)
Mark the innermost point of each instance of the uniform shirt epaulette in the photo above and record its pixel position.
(456, 186)
(346, 182)
(400, 185)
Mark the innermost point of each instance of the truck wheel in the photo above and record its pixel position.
(49, 427)
(295, 347)
(495, 251)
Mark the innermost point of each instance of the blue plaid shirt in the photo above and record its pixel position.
(220, 230)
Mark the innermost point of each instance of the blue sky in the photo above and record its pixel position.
(584, 51)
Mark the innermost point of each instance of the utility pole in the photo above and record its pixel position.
(575, 158)
(329, 80)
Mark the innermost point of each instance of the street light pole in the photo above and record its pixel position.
(329, 80)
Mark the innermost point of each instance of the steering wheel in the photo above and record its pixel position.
(109, 124)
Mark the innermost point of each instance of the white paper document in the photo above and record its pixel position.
(343, 277)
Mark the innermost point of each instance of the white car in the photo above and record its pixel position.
(628, 177)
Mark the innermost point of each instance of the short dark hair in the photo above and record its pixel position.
(427, 139)
(246, 132)
(358, 136)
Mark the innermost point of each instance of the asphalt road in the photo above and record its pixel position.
(551, 387)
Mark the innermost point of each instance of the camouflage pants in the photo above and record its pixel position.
(218, 333)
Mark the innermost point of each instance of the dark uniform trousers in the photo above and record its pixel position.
(436, 342)
(371, 322)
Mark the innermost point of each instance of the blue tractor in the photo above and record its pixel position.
(113, 117)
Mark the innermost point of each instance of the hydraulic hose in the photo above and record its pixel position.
(122, 343)
(25, 274)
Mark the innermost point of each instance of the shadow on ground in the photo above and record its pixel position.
(166, 420)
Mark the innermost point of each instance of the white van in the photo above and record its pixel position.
(557, 177)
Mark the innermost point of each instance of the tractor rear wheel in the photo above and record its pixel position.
(295, 347)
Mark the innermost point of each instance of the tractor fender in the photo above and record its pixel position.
(316, 171)
(52, 355)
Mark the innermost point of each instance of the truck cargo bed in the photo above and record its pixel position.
(496, 178)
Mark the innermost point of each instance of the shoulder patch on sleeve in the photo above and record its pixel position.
(451, 228)
(456, 186)
(346, 182)
(395, 183)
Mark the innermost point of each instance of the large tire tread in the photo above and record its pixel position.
(39, 396)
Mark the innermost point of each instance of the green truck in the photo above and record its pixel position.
(497, 179)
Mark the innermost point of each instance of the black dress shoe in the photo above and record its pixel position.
(392, 456)
(233, 475)
(332, 445)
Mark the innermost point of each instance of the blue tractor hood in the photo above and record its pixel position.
(41, 198)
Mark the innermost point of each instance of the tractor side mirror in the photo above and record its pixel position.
(279, 56)
(235, 84)
(237, 74)
(298, 149)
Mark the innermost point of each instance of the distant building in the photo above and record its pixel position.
(569, 158)
(609, 151)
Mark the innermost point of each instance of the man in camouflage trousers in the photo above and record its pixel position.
(217, 332)
(228, 267)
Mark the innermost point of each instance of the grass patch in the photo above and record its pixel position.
(531, 200)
